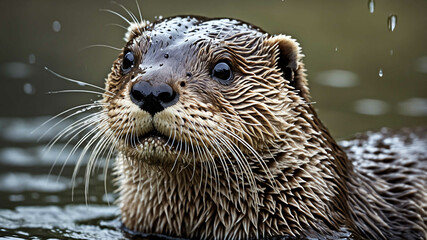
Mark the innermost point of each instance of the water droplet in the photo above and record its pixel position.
(31, 59)
(56, 25)
(29, 88)
(380, 73)
(391, 52)
(371, 6)
(391, 22)
(336, 49)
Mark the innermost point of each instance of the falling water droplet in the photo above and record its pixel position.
(371, 6)
(391, 22)
(56, 25)
(29, 88)
(336, 49)
(380, 73)
(391, 52)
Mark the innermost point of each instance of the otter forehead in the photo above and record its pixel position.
(175, 37)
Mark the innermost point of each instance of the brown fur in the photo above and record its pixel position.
(245, 160)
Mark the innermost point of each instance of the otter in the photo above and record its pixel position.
(216, 138)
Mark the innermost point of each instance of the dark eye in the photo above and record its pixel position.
(222, 73)
(128, 62)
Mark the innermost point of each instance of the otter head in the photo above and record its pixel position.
(190, 89)
(215, 134)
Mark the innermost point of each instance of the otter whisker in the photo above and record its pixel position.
(117, 14)
(82, 128)
(77, 91)
(206, 149)
(224, 158)
(239, 160)
(80, 159)
(132, 16)
(89, 145)
(65, 132)
(100, 45)
(120, 26)
(253, 151)
(179, 151)
(89, 105)
(139, 11)
(97, 152)
(81, 83)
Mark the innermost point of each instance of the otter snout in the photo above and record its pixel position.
(153, 98)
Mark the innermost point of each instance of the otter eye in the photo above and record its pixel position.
(128, 62)
(222, 73)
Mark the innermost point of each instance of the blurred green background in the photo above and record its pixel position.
(346, 44)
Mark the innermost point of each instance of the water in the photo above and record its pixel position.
(344, 53)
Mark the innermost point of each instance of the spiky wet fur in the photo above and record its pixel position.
(251, 160)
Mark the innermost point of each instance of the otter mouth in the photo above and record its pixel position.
(151, 137)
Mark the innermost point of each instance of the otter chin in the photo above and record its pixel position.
(216, 138)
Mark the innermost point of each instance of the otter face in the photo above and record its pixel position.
(189, 89)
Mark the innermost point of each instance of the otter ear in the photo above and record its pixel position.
(289, 62)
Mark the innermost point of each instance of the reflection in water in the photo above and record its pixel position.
(371, 6)
(56, 26)
(413, 107)
(371, 107)
(391, 22)
(337, 78)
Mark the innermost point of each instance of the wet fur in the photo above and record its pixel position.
(252, 159)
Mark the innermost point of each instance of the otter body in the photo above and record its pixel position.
(217, 139)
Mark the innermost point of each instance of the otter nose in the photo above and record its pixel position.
(153, 99)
